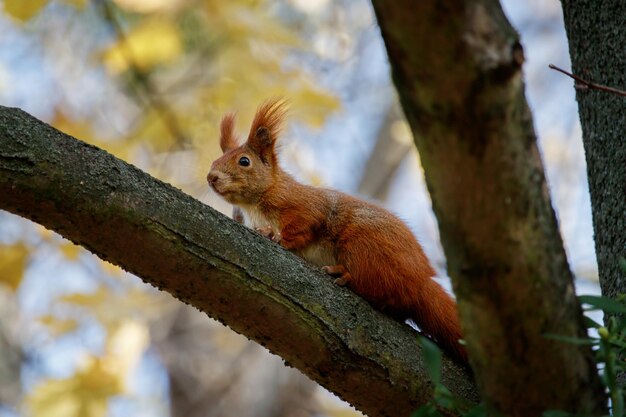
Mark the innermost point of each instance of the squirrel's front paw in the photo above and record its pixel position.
(269, 233)
(265, 231)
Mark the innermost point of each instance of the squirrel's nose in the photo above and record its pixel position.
(212, 178)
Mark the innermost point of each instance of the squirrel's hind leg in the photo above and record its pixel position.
(340, 272)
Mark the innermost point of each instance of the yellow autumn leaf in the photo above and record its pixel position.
(87, 392)
(58, 327)
(12, 264)
(23, 9)
(70, 250)
(152, 42)
(85, 299)
(100, 304)
(51, 398)
(84, 394)
(317, 105)
(110, 307)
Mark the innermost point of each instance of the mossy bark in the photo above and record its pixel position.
(201, 257)
(457, 68)
(597, 32)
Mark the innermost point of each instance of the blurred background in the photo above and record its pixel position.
(148, 80)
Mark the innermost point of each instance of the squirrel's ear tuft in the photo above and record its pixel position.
(263, 137)
(266, 126)
(228, 140)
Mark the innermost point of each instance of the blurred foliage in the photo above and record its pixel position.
(608, 343)
(166, 71)
(23, 10)
(150, 43)
(86, 393)
(12, 264)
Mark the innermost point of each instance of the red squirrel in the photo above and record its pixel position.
(365, 247)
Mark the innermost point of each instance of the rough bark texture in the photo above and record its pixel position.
(596, 34)
(181, 246)
(457, 68)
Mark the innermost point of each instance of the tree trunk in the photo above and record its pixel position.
(228, 271)
(596, 32)
(457, 67)
(384, 161)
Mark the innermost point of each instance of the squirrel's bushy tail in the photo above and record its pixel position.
(435, 312)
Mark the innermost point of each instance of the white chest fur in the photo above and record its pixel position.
(319, 253)
(254, 219)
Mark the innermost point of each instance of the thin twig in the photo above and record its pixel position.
(580, 83)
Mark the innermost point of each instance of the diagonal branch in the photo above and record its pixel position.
(181, 246)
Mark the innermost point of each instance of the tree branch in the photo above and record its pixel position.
(181, 246)
(583, 84)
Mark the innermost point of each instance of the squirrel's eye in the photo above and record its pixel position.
(244, 161)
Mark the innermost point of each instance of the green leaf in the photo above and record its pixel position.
(591, 323)
(432, 358)
(570, 339)
(617, 400)
(619, 343)
(444, 398)
(607, 304)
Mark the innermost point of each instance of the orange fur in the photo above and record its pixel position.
(228, 140)
(369, 249)
(269, 115)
